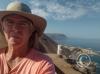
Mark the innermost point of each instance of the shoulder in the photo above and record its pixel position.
(38, 56)
(42, 62)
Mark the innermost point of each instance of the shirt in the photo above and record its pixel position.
(33, 63)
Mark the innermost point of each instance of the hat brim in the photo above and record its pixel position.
(39, 22)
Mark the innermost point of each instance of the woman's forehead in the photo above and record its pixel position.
(16, 16)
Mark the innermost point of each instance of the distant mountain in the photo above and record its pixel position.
(58, 37)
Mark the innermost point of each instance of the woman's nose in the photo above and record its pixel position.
(15, 28)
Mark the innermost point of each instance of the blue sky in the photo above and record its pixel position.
(74, 18)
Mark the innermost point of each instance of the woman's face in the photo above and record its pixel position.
(17, 30)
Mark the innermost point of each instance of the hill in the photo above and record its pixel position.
(58, 37)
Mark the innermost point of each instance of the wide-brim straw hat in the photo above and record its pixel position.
(22, 9)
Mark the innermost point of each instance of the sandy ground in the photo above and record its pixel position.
(61, 66)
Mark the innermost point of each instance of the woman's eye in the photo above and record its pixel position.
(22, 24)
(9, 23)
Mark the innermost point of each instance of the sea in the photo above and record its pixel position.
(92, 44)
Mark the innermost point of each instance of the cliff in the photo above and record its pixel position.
(57, 37)
(49, 47)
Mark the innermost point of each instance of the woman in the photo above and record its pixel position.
(22, 31)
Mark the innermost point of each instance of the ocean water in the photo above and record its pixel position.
(97, 60)
(93, 44)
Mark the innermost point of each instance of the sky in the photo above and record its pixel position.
(74, 18)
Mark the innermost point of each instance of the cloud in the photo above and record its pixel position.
(61, 12)
(40, 12)
(65, 9)
(96, 7)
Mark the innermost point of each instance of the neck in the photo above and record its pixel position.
(13, 52)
